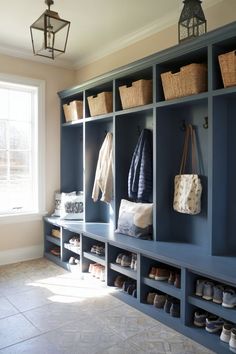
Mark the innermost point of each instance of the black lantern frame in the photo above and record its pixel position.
(49, 34)
(192, 22)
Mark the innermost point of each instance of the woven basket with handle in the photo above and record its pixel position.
(190, 80)
(227, 63)
(100, 104)
(139, 94)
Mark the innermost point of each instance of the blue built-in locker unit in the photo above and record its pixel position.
(199, 246)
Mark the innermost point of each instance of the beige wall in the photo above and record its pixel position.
(30, 234)
(217, 16)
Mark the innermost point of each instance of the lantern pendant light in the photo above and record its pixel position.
(49, 33)
(192, 21)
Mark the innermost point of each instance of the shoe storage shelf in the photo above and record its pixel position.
(190, 247)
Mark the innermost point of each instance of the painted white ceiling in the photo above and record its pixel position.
(98, 27)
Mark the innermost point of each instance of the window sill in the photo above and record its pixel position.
(18, 218)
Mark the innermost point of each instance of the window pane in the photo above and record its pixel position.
(3, 132)
(16, 197)
(3, 165)
(21, 195)
(3, 103)
(18, 160)
(20, 105)
(19, 165)
(20, 135)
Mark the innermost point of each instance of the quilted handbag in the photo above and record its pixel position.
(188, 187)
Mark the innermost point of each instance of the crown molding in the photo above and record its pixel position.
(27, 55)
(136, 36)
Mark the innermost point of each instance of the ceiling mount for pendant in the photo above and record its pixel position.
(49, 33)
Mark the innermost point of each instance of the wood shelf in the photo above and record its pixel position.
(216, 309)
(95, 258)
(163, 286)
(124, 270)
(54, 240)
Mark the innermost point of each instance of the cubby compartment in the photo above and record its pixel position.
(123, 261)
(52, 234)
(128, 128)
(123, 284)
(207, 328)
(161, 276)
(94, 91)
(224, 175)
(71, 250)
(94, 250)
(212, 295)
(66, 101)
(52, 244)
(171, 122)
(219, 48)
(95, 134)
(72, 174)
(160, 303)
(127, 80)
(199, 57)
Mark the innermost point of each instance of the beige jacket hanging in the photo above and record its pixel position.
(104, 174)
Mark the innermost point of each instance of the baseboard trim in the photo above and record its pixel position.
(21, 254)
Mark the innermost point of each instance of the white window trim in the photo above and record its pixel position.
(40, 85)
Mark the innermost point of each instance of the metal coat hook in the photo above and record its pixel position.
(205, 124)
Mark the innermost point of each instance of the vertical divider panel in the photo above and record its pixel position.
(210, 67)
(139, 278)
(154, 156)
(84, 155)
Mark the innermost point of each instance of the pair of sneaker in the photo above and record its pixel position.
(228, 335)
(119, 281)
(216, 292)
(170, 304)
(127, 260)
(158, 273)
(75, 241)
(209, 291)
(97, 270)
(56, 251)
(212, 323)
(74, 261)
(97, 249)
(129, 286)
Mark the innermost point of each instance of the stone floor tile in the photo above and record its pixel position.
(6, 308)
(15, 329)
(36, 345)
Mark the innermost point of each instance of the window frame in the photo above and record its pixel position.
(40, 86)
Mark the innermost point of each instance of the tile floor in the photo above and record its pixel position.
(47, 310)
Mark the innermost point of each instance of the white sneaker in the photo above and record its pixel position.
(232, 341)
(226, 333)
(72, 260)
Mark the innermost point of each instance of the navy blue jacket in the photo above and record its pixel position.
(140, 180)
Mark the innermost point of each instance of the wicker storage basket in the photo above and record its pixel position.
(56, 233)
(228, 68)
(138, 94)
(73, 110)
(100, 104)
(190, 80)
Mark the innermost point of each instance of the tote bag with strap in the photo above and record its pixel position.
(188, 187)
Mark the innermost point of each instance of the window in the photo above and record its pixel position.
(21, 146)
